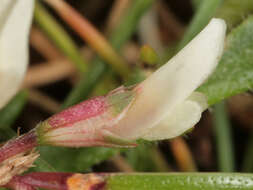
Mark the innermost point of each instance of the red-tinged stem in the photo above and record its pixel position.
(17, 184)
(60, 181)
(90, 35)
(18, 145)
(54, 181)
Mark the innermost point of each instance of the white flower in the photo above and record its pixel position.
(166, 104)
(163, 106)
(15, 21)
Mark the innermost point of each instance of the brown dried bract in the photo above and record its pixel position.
(16, 165)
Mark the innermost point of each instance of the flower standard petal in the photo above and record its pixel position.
(170, 85)
(15, 23)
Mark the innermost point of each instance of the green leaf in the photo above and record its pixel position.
(75, 160)
(142, 158)
(42, 166)
(180, 181)
(234, 73)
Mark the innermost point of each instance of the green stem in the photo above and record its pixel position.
(248, 157)
(118, 37)
(223, 138)
(205, 12)
(59, 36)
(180, 181)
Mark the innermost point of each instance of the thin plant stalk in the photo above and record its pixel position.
(183, 155)
(223, 137)
(43, 45)
(160, 162)
(90, 34)
(46, 73)
(44, 101)
(117, 11)
(58, 35)
(121, 163)
(248, 157)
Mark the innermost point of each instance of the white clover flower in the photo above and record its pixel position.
(163, 106)
(15, 21)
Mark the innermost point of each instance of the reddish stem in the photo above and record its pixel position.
(17, 184)
(18, 145)
(59, 181)
(53, 181)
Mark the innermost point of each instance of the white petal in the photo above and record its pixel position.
(181, 119)
(170, 85)
(14, 36)
(5, 9)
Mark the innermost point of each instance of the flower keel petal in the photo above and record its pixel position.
(182, 118)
